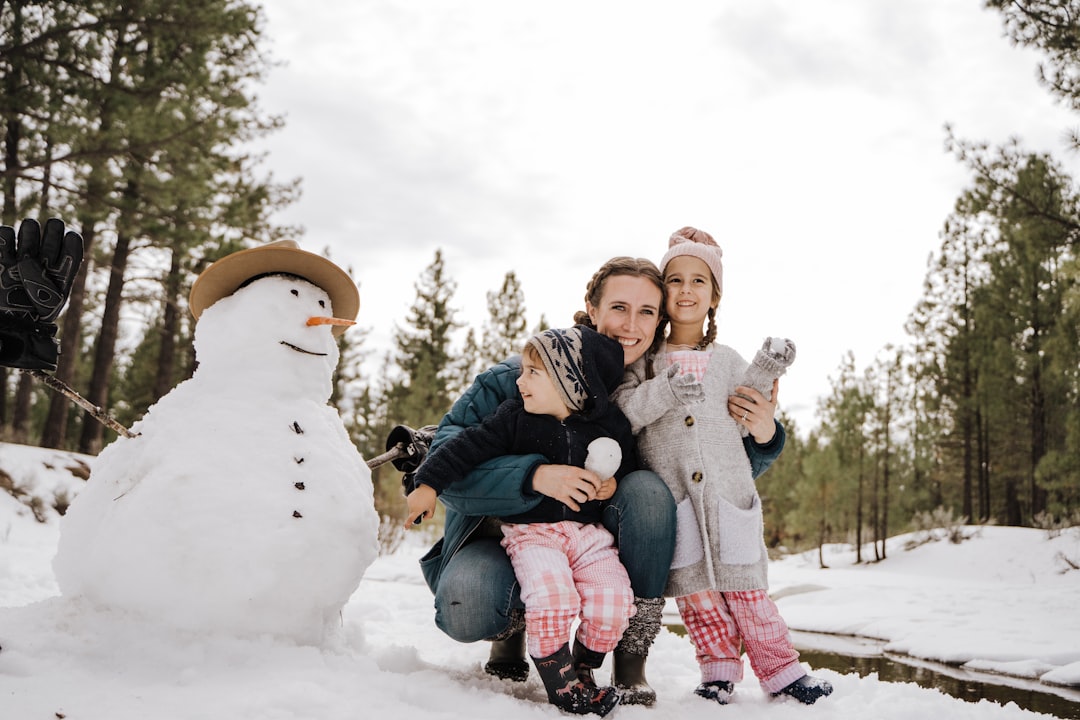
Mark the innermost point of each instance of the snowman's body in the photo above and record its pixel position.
(242, 505)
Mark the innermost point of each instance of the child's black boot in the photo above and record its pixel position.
(585, 661)
(719, 691)
(569, 694)
(807, 689)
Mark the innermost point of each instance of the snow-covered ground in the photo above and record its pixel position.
(1001, 601)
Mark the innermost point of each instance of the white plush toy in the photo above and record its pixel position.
(604, 457)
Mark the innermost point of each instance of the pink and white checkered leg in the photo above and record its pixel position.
(567, 569)
(538, 553)
(716, 640)
(607, 602)
(768, 643)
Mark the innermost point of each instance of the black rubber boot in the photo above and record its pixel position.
(807, 690)
(566, 692)
(719, 691)
(585, 661)
(628, 660)
(628, 677)
(507, 658)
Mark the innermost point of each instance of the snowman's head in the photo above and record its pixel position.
(267, 336)
(232, 272)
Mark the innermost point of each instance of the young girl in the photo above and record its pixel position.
(719, 575)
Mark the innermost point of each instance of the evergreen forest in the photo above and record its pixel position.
(975, 419)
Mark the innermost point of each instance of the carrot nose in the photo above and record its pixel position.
(323, 320)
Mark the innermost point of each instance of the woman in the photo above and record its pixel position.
(476, 594)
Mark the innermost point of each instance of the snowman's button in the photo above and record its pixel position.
(296, 514)
(299, 485)
(297, 429)
(299, 461)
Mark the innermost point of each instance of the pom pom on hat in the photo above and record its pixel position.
(699, 244)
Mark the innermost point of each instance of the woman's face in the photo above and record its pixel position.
(629, 311)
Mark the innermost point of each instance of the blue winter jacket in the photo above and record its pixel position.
(502, 487)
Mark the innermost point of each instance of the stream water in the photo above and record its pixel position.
(851, 655)
(866, 657)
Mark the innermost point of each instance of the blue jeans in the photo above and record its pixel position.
(478, 590)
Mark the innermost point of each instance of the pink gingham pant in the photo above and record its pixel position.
(566, 570)
(718, 622)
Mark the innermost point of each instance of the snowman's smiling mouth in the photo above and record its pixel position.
(301, 350)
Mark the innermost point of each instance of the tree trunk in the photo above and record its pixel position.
(90, 439)
(12, 133)
(55, 432)
(20, 421)
(983, 467)
(1012, 502)
(166, 366)
(885, 482)
(13, 126)
(859, 508)
(1038, 436)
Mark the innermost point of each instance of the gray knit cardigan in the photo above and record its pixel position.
(698, 450)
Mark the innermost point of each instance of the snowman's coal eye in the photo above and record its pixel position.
(322, 303)
(296, 292)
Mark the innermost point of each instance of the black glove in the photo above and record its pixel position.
(47, 265)
(36, 274)
(415, 444)
(28, 345)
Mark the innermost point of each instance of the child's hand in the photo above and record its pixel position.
(421, 503)
(686, 389)
(607, 489)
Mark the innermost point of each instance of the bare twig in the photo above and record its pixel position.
(392, 454)
(64, 389)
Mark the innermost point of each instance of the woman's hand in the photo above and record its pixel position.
(568, 484)
(756, 414)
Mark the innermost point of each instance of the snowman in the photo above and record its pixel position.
(239, 505)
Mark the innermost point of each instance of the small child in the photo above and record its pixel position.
(689, 435)
(565, 560)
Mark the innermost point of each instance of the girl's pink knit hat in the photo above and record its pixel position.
(699, 244)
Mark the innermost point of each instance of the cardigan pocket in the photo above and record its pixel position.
(739, 532)
(689, 548)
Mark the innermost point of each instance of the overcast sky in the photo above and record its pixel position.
(806, 135)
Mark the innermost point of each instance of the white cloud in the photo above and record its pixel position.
(806, 136)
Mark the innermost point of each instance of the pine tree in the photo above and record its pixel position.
(504, 329)
(421, 397)
(102, 105)
(468, 363)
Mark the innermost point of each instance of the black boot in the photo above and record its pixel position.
(566, 692)
(628, 660)
(585, 661)
(719, 691)
(507, 658)
(628, 676)
(807, 689)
